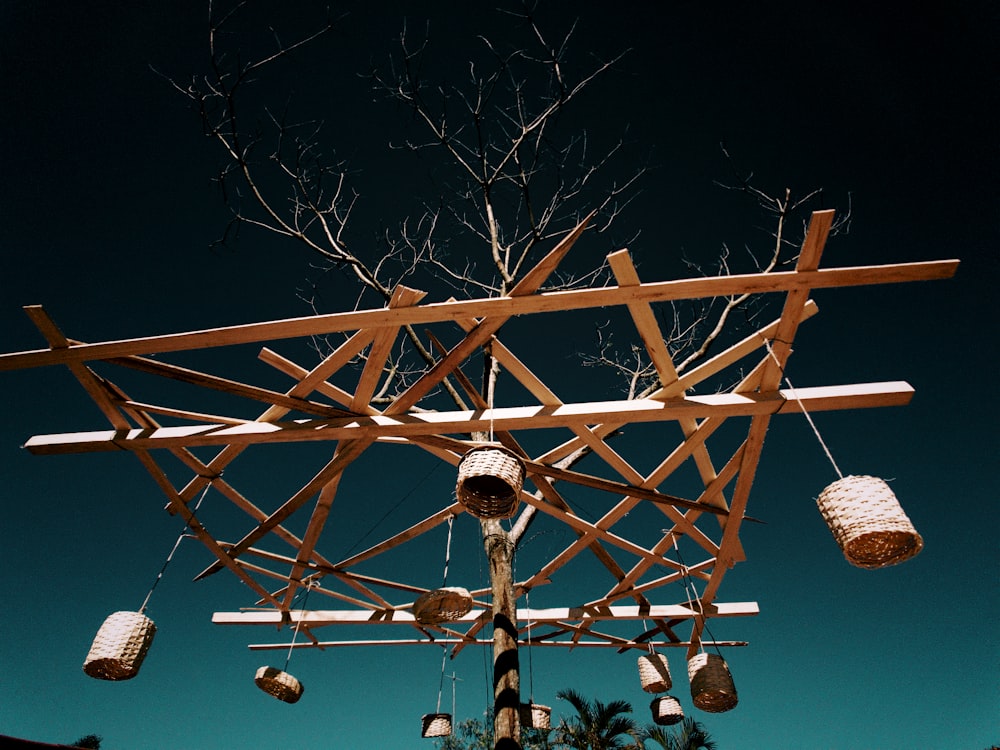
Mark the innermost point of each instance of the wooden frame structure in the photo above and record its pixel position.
(330, 402)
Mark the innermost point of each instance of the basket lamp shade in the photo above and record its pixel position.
(490, 478)
(435, 725)
(654, 673)
(868, 522)
(120, 646)
(442, 605)
(712, 687)
(666, 710)
(535, 716)
(280, 684)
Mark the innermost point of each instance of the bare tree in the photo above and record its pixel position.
(512, 172)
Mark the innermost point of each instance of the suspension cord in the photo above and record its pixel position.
(802, 406)
(170, 556)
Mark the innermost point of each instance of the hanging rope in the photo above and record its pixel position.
(802, 406)
(305, 601)
(444, 660)
(447, 552)
(170, 556)
(693, 600)
(531, 670)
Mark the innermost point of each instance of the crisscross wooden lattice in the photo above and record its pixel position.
(332, 403)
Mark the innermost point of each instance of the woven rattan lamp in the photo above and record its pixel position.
(435, 725)
(490, 478)
(712, 687)
(535, 716)
(666, 710)
(120, 646)
(280, 684)
(868, 522)
(654, 673)
(442, 605)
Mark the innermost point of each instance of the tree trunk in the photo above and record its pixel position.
(506, 672)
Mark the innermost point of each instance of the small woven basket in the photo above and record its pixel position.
(712, 687)
(435, 725)
(280, 684)
(442, 605)
(654, 673)
(120, 646)
(490, 478)
(535, 716)
(666, 710)
(868, 522)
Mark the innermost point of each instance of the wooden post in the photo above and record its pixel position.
(506, 672)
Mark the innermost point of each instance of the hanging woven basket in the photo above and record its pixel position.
(435, 725)
(442, 605)
(535, 716)
(280, 684)
(666, 710)
(654, 673)
(490, 478)
(712, 687)
(120, 646)
(868, 522)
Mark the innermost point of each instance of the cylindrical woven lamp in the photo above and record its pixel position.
(654, 673)
(442, 605)
(435, 725)
(280, 684)
(490, 478)
(536, 716)
(712, 687)
(120, 646)
(868, 523)
(666, 710)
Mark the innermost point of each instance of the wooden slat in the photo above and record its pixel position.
(822, 398)
(553, 615)
(501, 306)
(480, 642)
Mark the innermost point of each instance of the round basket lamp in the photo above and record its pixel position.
(442, 605)
(654, 673)
(712, 687)
(535, 716)
(868, 522)
(280, 684)
(666, 710)
(490, 478)
(435, 725)
(120, 646)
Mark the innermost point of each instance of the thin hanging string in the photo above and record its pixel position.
(305, 600)
(444, 660)
(802, 406)
(693, 600)
(447, 552)
(156, 581)
(531, 670)
(487, 664)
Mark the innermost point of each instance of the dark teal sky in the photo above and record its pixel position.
(107, 216)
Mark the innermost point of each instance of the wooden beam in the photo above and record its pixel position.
(550, 615)
(499, 306)
(644, 645)
(814, 399)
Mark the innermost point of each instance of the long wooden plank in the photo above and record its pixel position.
(553, 615)
(643, 646)
(500, 306)
(823, 398)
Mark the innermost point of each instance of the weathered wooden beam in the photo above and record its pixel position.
(821, 398)
(551, 615)
(644, 645)
(576, 299)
